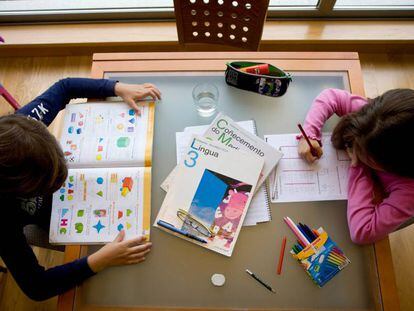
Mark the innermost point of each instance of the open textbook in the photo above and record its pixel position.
(209, 198)
(259, 210)
(108, 148)
(294, 180)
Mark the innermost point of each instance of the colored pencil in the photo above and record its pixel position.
(281, 255)
(312, 149)
(289, 222)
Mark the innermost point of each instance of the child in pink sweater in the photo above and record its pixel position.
(376, 133)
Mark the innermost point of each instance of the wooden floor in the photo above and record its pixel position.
(25, 78)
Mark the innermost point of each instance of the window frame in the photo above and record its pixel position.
(157, 10)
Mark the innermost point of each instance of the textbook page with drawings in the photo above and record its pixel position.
(108, 149)
(215, 190)
(259, 210)
(294, 180)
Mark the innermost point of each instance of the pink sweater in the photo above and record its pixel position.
(368, 222)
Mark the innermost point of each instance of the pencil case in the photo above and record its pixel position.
(261, 78)
(322, 259)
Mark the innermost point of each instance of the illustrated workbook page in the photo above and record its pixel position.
(295, 180)
(94, 204)
(210, 195)
(107, 134)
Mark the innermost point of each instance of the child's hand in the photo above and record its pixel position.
(352, 156)
(120, 252)
(130, 93)
(305, 152)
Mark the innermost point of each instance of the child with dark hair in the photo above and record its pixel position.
(32, 167)
(375, 133)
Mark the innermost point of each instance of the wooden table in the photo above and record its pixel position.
(372, 264)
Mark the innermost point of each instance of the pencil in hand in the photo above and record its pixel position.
(315, 153)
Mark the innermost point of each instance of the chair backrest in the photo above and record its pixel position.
(235, 23)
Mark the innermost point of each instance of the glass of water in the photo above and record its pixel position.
(205, 96)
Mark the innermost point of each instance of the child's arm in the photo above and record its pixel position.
(327, 103)
(40, 284)
(46, 106)
(369, 222)
(36, 282)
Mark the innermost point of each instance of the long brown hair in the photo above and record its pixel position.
(381, 131)
(31, 160)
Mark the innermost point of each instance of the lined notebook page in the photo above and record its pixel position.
(259, 210)
(294, 180)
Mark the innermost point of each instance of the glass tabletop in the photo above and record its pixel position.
(177, 273)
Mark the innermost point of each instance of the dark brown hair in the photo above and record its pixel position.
(31, 160)
(381, 131)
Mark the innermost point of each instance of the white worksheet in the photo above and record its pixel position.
(294, 180)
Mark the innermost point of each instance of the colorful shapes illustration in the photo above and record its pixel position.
(70, 197)
(100, 148)
(62, 230)
(120, 126)
(122, 115)
(80, 123)
(100, 180)
(62, 190)
(132, 120)
(100, 193)
(81, 212)
(120, 214)
(79, 227)
(120, 227)
(67, 153)
(114, 178)
(70, 129)
(73, 146)
(98, 157)
(131, 112)
(128, 225)
(73, 117)
(63, 222)
(123, 142)
(71, 178)
(127, 184)
(101, 139)
(99, 119)
(70, 185)
(80, 115)
(100, 212)
(130, 129)
(128, 212)
(99, 226)
(78, 131)
(64, 211)
(62, 198)
(70, 191)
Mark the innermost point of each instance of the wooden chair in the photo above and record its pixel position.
(234, 23)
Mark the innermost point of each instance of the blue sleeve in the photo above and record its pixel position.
(34, 280)
(46, 106)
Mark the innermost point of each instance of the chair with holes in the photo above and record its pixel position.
(234, 23)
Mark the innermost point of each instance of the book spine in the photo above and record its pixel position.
(267, 202)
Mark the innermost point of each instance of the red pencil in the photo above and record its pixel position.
(281, 255)
(312, 149)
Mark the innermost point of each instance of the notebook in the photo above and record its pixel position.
(259, 210)
(108, 149)
(209, 198)
(294, 180)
